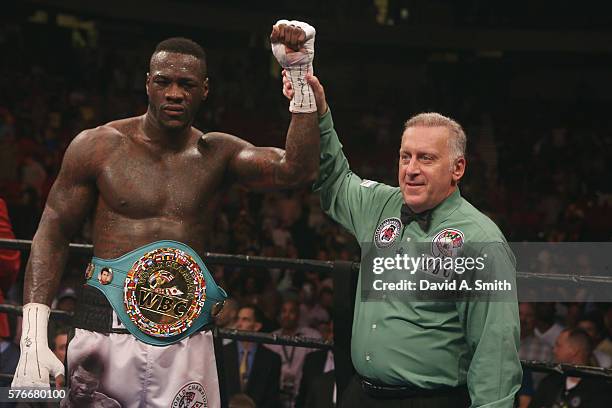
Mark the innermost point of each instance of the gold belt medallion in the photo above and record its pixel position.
(164, 292)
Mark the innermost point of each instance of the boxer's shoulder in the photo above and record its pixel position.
(91, 148)
(220, 137)
(110, 133)
(224, 142)
(96, 141)
(125, 126)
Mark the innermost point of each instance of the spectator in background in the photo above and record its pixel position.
(8, 147)
(27, 213)
(593, 325)
(573, 346)
(531, 348)
(241, 401)
(311, 311)
(9, 357)
(292, 358)
(326, 298)
(327, 330)
(606, 345)
(525, 393)
(249, 367)
(59, 344)
(10, 261)
(546, 329)
(270, 304)
(228, 317)
(573, 310)
(318, 383)
(65, 300)
(33, 174)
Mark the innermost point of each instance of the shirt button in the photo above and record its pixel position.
(368, 357)
(374, 326)
(408, 239)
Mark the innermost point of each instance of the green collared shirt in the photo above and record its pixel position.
(428, 344)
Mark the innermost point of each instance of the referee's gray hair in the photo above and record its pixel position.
(457, 140)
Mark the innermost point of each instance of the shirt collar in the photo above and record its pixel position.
(241, 348)
(446, 207)
(441, 212)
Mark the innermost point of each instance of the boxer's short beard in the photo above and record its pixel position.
(183, 123)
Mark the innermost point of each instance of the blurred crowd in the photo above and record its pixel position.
(541, 178)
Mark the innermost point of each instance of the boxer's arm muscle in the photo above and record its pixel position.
(70, 200)
(269, 168)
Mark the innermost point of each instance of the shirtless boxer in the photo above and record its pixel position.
(146, 179)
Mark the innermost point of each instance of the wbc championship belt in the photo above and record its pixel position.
(161, 292)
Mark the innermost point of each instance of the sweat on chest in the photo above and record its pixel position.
(153, 189)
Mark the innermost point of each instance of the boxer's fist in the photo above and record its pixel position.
(36, 361)
(293, 43)
(293, 47)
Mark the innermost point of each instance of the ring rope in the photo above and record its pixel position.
(210, 257)
(267, 338)
(298, 341)
(309, 264)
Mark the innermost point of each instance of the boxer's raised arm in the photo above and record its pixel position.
(270, 168)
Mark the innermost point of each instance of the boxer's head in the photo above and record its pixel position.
(432, 160)
(177, 82)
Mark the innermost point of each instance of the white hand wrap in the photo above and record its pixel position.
(298, 64)
(36, 361)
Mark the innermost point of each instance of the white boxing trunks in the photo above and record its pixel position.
(139, 375)
(140, 337)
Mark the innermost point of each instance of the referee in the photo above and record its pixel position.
(442, 351)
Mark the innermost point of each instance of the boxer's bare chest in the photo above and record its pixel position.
(146, 193)
(136, 182)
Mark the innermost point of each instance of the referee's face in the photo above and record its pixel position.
(425, 175)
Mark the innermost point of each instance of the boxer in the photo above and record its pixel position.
(152, 184)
